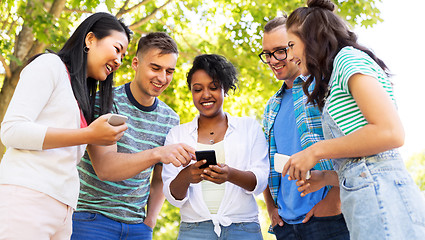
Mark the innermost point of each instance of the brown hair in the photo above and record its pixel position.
(157, 40)
(324, 34)
(275, 23)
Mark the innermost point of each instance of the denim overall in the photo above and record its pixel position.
(379, 199)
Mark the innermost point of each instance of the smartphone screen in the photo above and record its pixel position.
(209, 155)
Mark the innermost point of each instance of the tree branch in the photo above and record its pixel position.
(4, 21)
(57, 8)
(69, 10)
(139, 31)
(182, 36)
(149, 17)
(12, 25)
(23, 43)
(124, 11)
(37, 47)
(5, 66)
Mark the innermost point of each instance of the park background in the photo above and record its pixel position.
(231, 28)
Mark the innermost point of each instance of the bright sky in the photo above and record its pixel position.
(399, 42)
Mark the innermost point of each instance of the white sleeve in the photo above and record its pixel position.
(260, 164)
(169, 173)
(36, 84)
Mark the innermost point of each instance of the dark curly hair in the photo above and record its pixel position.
(218, 68)
(324, 34)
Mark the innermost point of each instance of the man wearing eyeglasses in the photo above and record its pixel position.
(290, 126)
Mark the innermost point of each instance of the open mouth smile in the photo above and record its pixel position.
(157, 85)
(206, 104)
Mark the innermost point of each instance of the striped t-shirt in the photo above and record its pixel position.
(125, 201)
(342, 107)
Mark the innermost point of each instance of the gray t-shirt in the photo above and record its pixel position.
(125, 201)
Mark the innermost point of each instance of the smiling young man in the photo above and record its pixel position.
(117, 198)
(291, 125)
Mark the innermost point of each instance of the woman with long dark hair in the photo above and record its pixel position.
(360, 124)
(45, 128)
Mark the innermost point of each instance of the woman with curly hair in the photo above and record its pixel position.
(217, 200)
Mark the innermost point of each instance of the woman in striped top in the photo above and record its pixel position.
(361, 127)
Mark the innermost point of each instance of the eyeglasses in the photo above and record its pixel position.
(279, 54)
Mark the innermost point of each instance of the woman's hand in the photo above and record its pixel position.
(299, 164)
(188, 175)
(216, 173)
(100, 132)
(192, 173)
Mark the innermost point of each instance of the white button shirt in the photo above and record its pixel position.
(245, 149)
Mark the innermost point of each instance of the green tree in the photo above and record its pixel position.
(416, 166)
(232, 28)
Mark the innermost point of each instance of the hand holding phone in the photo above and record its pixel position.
(279, 162)
(117, 119)
(209, 155)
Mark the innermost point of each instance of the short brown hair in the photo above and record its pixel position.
(275, 23)
(158, 40)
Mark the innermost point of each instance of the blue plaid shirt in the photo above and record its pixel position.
(308, 120)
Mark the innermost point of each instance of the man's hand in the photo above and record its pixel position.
(274, 217)
(329, 206)
(177, 154)
(316, 182)
(150, 222)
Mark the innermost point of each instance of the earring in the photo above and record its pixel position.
(86, 49)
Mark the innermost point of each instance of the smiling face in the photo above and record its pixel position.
(105, 55)
(208, 96)
(282, 69)
(296, 52)
(154, 72)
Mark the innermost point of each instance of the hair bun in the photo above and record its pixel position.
(326, 4)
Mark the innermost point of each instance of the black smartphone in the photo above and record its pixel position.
(209, 155)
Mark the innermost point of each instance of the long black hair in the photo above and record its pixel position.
(74, 57)
(324, 34)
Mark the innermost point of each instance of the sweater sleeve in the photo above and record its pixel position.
(19, 128)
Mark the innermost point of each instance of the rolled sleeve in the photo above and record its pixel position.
(260, 164)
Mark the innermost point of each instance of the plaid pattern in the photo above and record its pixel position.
(308, 120)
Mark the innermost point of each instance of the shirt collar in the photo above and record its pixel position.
(301, 79)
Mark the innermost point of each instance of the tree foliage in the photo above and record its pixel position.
(416, 166)
(232, 28)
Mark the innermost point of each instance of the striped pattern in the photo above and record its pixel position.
(342, 106)
(125, 201)
(308, 120)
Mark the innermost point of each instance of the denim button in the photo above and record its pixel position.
(363, 174)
